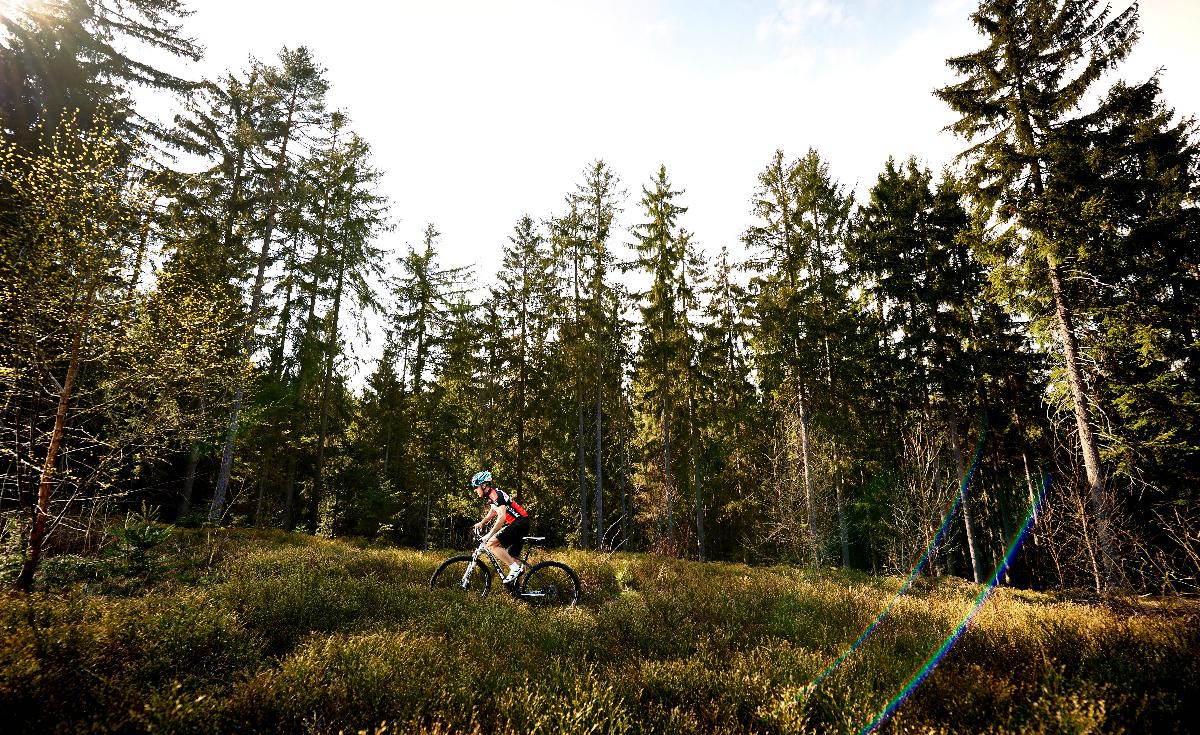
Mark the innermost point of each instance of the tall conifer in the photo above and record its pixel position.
(1041, 59)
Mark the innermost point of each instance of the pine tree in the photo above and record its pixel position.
(73, 59)
(421, 318)
(660, 400)
(909, 247)
(216, 205)
(595, 202)
(1041, 60)
(297, 90)
(796, 248)
(1129, 177)
(458, 417)
(728, 407)
(357, 216)
(528, 304)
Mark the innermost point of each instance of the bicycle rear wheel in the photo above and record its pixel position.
(452, 575)
(551, 583)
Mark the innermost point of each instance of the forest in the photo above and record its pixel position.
(183, 304)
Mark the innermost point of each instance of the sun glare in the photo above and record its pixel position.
(16, 8)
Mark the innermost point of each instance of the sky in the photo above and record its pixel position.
(481, 111)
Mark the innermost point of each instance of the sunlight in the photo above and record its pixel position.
(15, 8)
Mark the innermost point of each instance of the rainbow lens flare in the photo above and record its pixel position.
(940, 652)
(929, 550)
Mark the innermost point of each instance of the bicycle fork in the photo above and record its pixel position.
(466, 578)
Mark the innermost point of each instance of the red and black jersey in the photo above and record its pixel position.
(496, 498)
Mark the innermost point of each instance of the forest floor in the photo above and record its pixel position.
(225, 630)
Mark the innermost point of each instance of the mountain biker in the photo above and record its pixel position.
(511, 524)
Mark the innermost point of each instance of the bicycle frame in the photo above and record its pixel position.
(551, 580)
(482, 550)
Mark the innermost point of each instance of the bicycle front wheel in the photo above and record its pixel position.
(459, 573)
(551, 583)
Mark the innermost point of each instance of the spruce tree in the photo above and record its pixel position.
(659, 400)
(1041, 59)
(803, 217)
(528, 304)
(422, 314)
(728, 406)
(79, 59)
(358, 216)
(909, 250)
(1129, 176)
(296, 89)
(596, 203)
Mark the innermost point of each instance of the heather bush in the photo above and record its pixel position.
(251, 631)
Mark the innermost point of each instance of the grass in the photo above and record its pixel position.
(240, 631)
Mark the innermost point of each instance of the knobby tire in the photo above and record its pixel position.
(554, 579)
(449, 575)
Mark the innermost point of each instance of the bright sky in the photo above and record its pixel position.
(480, 111)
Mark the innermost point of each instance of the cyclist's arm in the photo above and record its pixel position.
(497, 525)
(486, 517)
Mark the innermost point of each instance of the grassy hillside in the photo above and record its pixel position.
(242, 631)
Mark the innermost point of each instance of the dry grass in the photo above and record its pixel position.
(252, 632)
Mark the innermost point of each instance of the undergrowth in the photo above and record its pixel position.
(216, 630)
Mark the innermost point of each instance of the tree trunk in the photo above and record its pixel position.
(843, 528)
(809, 497)
(189, 480)
(37, 535)
(624, 527)
(428, 512)
(1005, 527)
(599, 460)
(1033, 510)
(262, 484)
(581, 460)
(697, 497)
(330, 347)
(138, 258)
(522, 381)
(285, 321)
(1087, 439)
(669, 483)
(289, 493)
(304, 370)
(218, 503)
(968, 523)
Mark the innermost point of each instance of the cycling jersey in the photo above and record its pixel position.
(496, 497)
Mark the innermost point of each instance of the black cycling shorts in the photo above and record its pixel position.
(512, 536)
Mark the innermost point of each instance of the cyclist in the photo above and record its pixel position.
(509, 527)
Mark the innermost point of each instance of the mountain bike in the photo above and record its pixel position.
(547, 583)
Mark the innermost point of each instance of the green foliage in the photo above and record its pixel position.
(303, 635)
(83, 55)
(663, 384)
(1089, 196)
(827, 398)
(140, 535)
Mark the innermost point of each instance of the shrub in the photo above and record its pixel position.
(289, 633)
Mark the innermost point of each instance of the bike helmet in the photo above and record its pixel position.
(481, 478)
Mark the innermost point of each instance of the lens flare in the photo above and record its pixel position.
(940, 652)
(929, 551)
(10, 8)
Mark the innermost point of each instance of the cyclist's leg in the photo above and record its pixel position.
(497, 547)
(513, 537)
